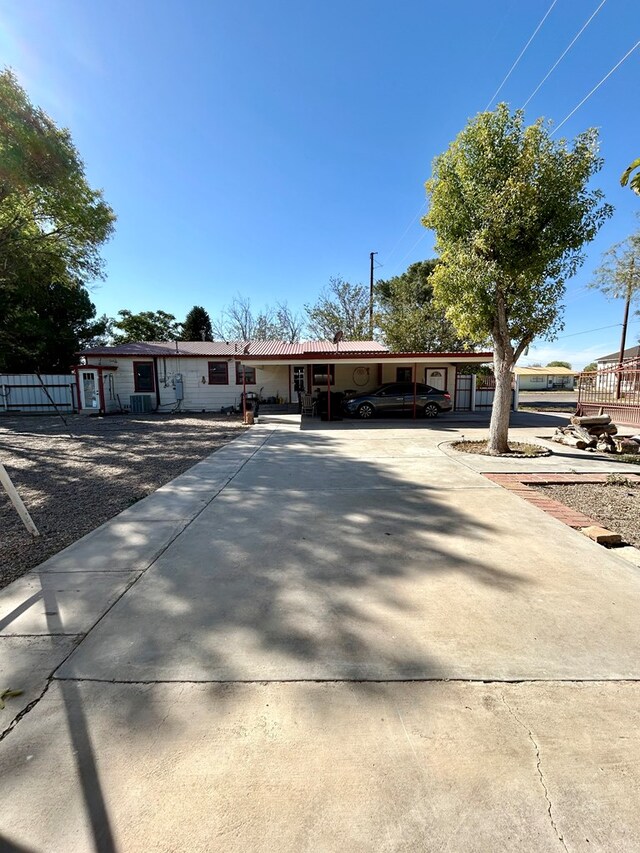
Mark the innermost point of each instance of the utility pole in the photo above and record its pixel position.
(623, 340)
(371, 254)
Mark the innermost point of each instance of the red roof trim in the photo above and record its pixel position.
(307, 356)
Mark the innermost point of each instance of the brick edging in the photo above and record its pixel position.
(520, 484)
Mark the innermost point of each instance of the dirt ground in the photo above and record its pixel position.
(72, 485)
(616, 507)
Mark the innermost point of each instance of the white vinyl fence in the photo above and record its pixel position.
(25, 392)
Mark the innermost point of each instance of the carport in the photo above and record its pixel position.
(341, 369)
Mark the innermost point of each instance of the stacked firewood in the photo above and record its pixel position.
(595, 433)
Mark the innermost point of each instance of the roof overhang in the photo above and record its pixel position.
(367, 358)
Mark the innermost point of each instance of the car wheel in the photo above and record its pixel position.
(431, 410)
(365, 411)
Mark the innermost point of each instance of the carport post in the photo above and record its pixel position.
(415, 388)
(328, 392)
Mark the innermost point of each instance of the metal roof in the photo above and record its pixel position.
(545, 371)
(631, 352)
(235, 348)
(251, 351)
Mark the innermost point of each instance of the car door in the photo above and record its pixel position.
(421, 392)
(390, 399)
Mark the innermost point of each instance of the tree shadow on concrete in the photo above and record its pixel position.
(321, 569)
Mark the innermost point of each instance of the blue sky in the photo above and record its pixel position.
(261, 147)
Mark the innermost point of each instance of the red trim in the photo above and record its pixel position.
(103, 402)
(135, 378)
(317, 356)
(95, 367)
(455, 386)
(226, 366)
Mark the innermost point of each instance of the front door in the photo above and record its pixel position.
(299, 377)
(89, 389)
(436, 377)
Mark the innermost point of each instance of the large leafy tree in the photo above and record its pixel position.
(145, 326)
(566, 364)
(52, 226)
(407, 316)
(512, 210)
(629, 178)
(197, 325)
(341, 306)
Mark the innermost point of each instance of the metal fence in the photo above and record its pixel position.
(477, 392)
(28, 392)
(615, 390)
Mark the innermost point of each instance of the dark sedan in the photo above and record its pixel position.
(398, 397)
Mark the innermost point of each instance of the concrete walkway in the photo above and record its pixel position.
(336, 638)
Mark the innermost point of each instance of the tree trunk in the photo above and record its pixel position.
(503, 361)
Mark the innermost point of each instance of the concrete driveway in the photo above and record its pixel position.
(327, 639)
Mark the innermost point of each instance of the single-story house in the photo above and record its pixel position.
(605, 362)
(545, 378)
(211, 375)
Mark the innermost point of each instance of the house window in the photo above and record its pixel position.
(218, 373)
(320, 374)
(404, 374)
(249, 373)
(537, 378)
(299, 378)
(143, 379)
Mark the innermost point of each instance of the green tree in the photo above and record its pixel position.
(589, 367)
(145, 326)
(566, 364)
(512, 210)
(197, 325)
(341, 306)
(634, 182)
(407, 316)
(52, 226)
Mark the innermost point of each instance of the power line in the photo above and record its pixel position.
(405, 232)
(564, 53)
(419, 240)
(595, 88)
(588, 331)
(522, 53)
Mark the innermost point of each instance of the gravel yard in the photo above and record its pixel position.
(72, 485)
(616, 507)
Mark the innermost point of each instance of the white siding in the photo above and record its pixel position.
(271, 380)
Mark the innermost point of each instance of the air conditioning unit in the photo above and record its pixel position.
(140, 403)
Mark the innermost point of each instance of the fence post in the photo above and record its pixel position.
(473, 392)
(516, 393)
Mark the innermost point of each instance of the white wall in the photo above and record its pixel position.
(198, 395)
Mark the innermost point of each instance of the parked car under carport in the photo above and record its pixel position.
(399, 398)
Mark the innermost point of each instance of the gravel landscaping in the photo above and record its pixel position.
(72, 485)
(615, 505)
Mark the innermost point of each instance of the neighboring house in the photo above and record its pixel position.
(545, 378)
(207, 376)
(613, 359)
